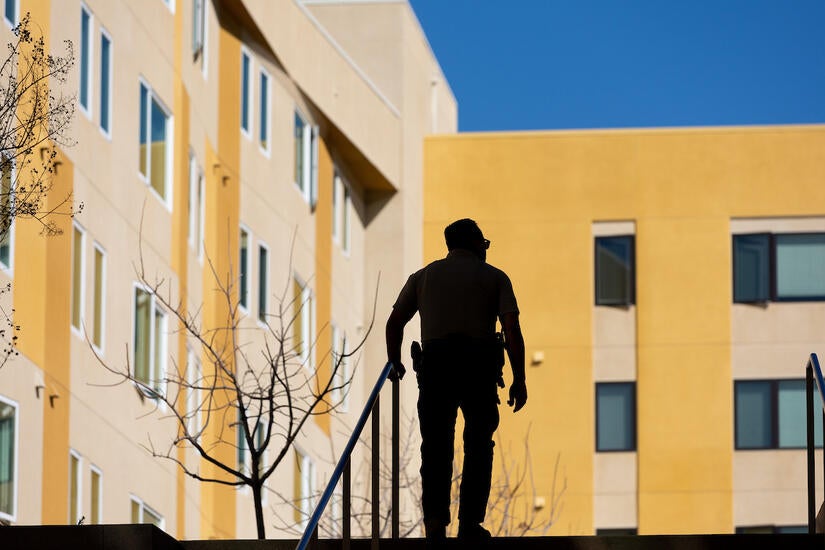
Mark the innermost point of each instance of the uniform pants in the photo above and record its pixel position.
(453, 377)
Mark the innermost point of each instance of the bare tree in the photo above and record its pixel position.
(34, 120)
(254, 399)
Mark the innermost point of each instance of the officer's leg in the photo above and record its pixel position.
(480, 409)
(437, 409)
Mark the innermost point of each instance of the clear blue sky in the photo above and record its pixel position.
(549, 64)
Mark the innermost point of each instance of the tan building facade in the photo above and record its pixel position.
(259, 143)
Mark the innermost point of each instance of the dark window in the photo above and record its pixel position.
(615, 271)
(771, 529)
(779, 267)
(263, 278)
(616, 416)
(616, 531)
(770, 414)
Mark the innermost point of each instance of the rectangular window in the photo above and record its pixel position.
(99, 297)
(615, 416)
(170, 4)
(11, 12)
(246, 90)
(85, 60)
(615, 271)
(770, 414)
(8, 459)
(302, 321)
(263, 127)
(780, 267)
(155, 142)
(74, 488)
(263, 282)
(306, 159)
(340, 365)
(6, 213)
(149, 342)
(196, 205)
(303, 487)
(345, 226)
(78, 275)
(194, 380)
(105, 83)
(243, 275)
(143, 514)
(197, 27)
(96, 490)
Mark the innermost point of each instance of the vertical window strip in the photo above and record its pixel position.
(8, 459)
(11, 12)
(263, 132)
(243, 276)
(105, 82)
(78, 241)
(193, 379)
(149, 342)
(85, 59)
(298, 137)
(99, 296)
(245, 89)
(96, 492)
(155, 143)
(345, 217)
(144, 131)
(336, 206)
(74, 488)
(197, 27)
(6, 212)
(263, 280)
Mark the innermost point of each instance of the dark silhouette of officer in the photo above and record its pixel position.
(459, 299)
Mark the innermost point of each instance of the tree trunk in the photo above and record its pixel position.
(257, 491)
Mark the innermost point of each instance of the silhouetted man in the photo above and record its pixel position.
(459, 299)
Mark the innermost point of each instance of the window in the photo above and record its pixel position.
(778, 267)
(194, 379)
(11, 12)
(8, 459)
(96, 490)
(198, 23)
(263, 127)
(340, 364)
(143, 514)
(616, 531)
(149, 342)
(615, 271)
(304, 487)
(263, 281)
(772, 530)
(243, 276)
(105, 83)
(259, 437)
(340, 212)
(306, 159)
(6, 213)
(246, 91)
(770, 414)
(99, 297)
(78, 274)
(74, 488)
(170, 4)
(302, 324)
(196, 205)
(615, 416)
(155, 142)
(85, 60)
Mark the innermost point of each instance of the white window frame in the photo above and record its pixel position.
(340, 396)
(97, 247)
(12, 24)
(244, 299)
(196, 205)
(193, 396)
(170, 4)
(157, 373)
(263, 293)
(78, 330)
(86, 109)
(204, 56)
(307, 301)
(170, 138)
(107, 132)
(248, 98)
(346, 209)
(15, 457)
(264, 123)
(306, 498)
(94, 470)
(142, 507)
(336, 206)
(78, 478)
(309, 173)
(198, 23)
(9, 269)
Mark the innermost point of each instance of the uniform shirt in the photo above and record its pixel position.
(458, 295)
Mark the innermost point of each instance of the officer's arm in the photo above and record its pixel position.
(395, 335)
(515, 351)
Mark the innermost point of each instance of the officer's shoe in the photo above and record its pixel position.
(473, 531)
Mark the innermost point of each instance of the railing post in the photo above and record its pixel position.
(809, 410)
(396, 459)
(346, 495)
(376, 443)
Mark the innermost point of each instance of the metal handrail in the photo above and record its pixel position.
(813, 371)
(343, 466)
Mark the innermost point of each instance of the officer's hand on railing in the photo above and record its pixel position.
(518, 395)
(397, 371)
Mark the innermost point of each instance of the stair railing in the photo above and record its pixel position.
(812, 370)
(343, 467)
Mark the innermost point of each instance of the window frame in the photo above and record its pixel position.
(634, 425)
(194, 373)
(78, 481)
(631, 301)
(94, 470)
(151, 95)
(308, 186)
(306, 475)
(263, 283)
(15, 456)
(340, 394)
(265, 104)
(107, 86)
(244, 269)
(307, 304)
(85, 77)
(81, 298)
(9, 269)
(171, 5)
(156, 385)
(196, 205)
(198, 24)
(16, 4)
(142, 507)
(247, 96)
(101, 345)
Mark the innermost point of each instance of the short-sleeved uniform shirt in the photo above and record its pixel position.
(460, 295)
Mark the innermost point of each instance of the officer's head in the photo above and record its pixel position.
(466, 234)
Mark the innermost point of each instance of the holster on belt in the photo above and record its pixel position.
(417, 356)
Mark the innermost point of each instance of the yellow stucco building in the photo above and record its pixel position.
(671, 285)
